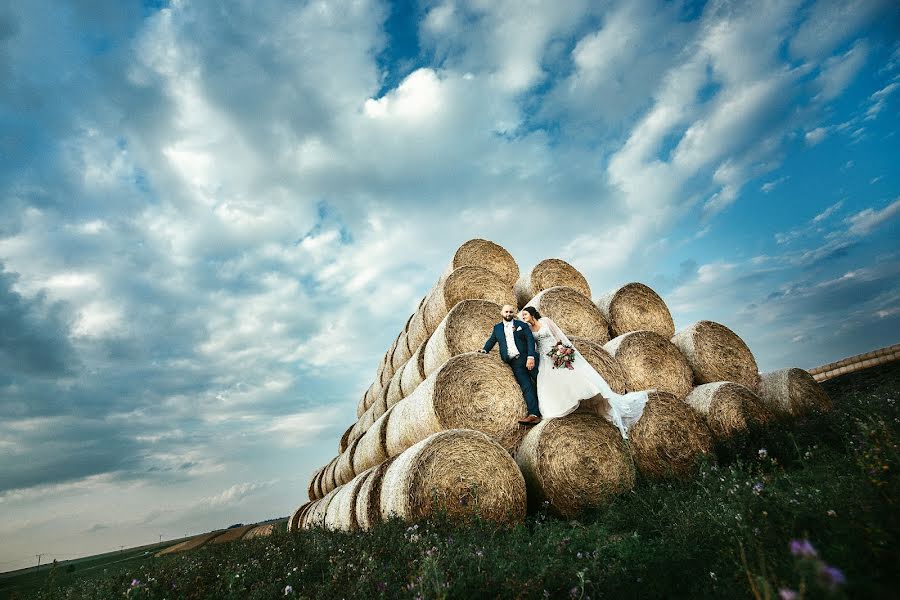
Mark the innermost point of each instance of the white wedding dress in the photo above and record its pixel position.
(560, 391)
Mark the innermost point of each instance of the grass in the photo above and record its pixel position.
(806, 508)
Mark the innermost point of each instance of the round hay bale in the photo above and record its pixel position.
(361, 405)
(317, 486)
(417, 333)
(716, 353)
(329, 477)
(342, 511)
(460, 471)
(344, 469)
(470, 391)
(549, 273)
(669, 438)
(465, 283)
(332, 518)
(792, 392)
(368, 498)
(372, 447)
(575, 462)
(260, 531)
(345, 441)
(650, 361)
(728, 407)
(311, 490)
(575, 314)
(464, 329)
(301, 522)
(487, 255)
(413, 372)
(401, 353)
(636, 307)
(608, 367)
(408, 321)
(292, 523)
(394, 390)
(316, 515)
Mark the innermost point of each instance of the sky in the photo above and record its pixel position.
(216, 217)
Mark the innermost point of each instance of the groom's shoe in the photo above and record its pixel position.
(530, 420)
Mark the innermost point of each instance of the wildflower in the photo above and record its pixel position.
(288, 590)
(573, 593)
(712, 575)
(787, 594)
(763, 453)
(135, 582)
(758, 487)
(579, 555)
(479, 553)
(803, 549)
(832, 577)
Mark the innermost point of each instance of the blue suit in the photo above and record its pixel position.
(525, 345)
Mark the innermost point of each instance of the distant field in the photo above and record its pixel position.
(806, 507)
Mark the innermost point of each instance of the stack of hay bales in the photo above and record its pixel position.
(439, 423)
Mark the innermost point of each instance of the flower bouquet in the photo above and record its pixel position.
(562, 356)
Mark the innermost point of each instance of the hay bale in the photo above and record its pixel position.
(361, 405)
(342, 510)
(413, 372)
(292, 523)
(728, 407)
(368, 498)
(329, 480)
(394, 392)
(792, 392)
(316, 515)
(465, 283)
(417, 333)
(317, 486)
(650, 361)
(311, 489)
(636, 307)
(372, 447)
(344, 469)
(716, 353)
(574, 312)
(192, 543)
(345, 441)
(608, 367)
(332, 513)
(575, 462)
(260, 531)
(301, 522)
(401, 353)
(487, 255)
(669, 438)
(470, 391)
(460, 471)
(232, 534)
(549, 273)
(464, 329)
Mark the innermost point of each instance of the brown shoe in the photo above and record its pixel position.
(530, 420)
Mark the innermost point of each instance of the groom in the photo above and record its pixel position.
(517, 350)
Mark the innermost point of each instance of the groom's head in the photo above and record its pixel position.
(508, 312)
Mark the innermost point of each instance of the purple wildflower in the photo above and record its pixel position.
(758, 487)
(787, 594)
(803, 548)
(832, 576)
(135, 582)
(288, 589)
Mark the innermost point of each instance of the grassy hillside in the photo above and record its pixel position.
(806, 508)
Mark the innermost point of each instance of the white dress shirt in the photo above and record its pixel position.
(511, 350)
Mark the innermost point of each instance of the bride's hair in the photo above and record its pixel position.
(534, 312)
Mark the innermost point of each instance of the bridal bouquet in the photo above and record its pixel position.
(562, 356)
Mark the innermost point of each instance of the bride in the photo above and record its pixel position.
(561, 390)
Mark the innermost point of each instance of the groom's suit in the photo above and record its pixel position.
(524, 342)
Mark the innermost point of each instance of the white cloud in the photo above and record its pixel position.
(863, 222)
(879, 99)
(838, 71)
(816, 136)
(771, 185)
(830, 22)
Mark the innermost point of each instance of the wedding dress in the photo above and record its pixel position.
(561, 390)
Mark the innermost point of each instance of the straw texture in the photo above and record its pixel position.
(792, 392)
(636, 307)
(573, 312)
(401, 353)
(549, 273)
(311, 488)
(260, 531)
(650, 361)
(487, 255)
(470, 391)
(345, 441)
(413, 372)
(372, 447)
(604, 363)
(342, 510)
(464, 329)
(459, 471)
(465, 283)
(669, 438)
(368, 498)
(575, 462)
(394, 390)
(417, 333)
(315, 517)
(728, 407)
(716, 353)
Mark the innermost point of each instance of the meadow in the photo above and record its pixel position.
(806, 508)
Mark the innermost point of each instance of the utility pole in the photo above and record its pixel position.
(160, 538)
(39, 559)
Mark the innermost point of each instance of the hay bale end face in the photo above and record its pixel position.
(575, 462)
(573, 312)
(549, 273)
(728, 407)
(716, 353)
(487, 255)
(368, 497)
(602, 362)
(470, 391)
(458, 471)
(465, 283)
(792, 392)
(465, 329)
(372, 447)
(636, 307)
(260, 531)
(669, 438)
(650, 361)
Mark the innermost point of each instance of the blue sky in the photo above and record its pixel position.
(197, 197)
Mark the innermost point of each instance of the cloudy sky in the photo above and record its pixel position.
(215, 217)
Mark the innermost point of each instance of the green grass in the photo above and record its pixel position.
(829, 479)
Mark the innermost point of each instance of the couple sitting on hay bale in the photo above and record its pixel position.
(556, 389)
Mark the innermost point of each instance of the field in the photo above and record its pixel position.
(803, 509)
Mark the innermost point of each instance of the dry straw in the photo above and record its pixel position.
(413, 372)
(470, 391)
(418, 331)
(192, 543)
(460, 472)
(669, 438)
(301, 522)
(316, 515)
(574, 462)
(488, 255)
(368, 497)
(728, 407)
(792, 392)
(311, 489)
(394, 390)
(372, 447)
(608, 367)
(361, 405)
(342, 510)
(549, 273)
(573, 312)
(650, 361)
(293, 522)
(260, 531)
(716, 353)
(345, 439)
(232, 535)
(317, 486)
(401, 353)
(464, 329)
(344, 469)
(465, 283)
(636, 307)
